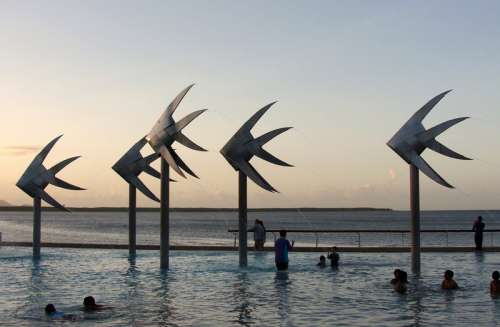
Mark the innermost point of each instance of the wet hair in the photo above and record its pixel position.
(50, 308)
(283, 233)
(322, 258)
(397, 273)
(89, 301)
(495, 275)
(448, 274)
(479, 218)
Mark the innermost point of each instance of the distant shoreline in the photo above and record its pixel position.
(148, 209)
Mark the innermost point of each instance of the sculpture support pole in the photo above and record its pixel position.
(164, 216)
(242, 217)
(415, 219)
(37, 224)
(131, 220)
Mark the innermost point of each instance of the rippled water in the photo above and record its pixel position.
(208, 228)
(208, 289)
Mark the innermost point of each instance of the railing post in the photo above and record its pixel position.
(447, 238)
(402, 239)
(491, 237)
(235, 235)
(316, 234)
(359, 239)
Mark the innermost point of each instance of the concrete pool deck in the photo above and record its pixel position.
(363, 249)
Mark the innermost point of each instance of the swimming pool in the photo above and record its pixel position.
(208, 289)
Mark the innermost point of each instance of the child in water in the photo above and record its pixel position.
(90, 305)
(397, 276)
(334, 257)
(448, 282)
(495, 283)
(322, 262)
(400, 280)
(50, 311)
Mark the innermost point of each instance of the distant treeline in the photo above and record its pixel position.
(121, 209)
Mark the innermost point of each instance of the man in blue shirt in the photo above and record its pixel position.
(281, 247)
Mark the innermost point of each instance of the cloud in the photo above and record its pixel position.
(18, 150)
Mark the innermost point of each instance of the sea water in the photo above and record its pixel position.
(210, 228)
(208, 289)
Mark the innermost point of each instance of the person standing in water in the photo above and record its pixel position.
(259, 234)
(281, 248)
(478, 229)
(334, 257)
(263, 240)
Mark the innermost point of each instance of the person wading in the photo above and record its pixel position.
(281, 247)
(478, 229)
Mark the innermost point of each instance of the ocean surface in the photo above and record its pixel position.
(211, 228)
(208, 289)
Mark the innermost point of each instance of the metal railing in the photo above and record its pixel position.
(358, 232)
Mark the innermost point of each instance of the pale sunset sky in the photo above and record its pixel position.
(347, 75)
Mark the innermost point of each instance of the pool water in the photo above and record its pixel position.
(208, 289)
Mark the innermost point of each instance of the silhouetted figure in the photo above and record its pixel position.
(50, 310)
(397, 276)
(478, 229)
(334, 257)
(322, 262)
(399, 281)
(281, 247)
(495, 283)
(259, 234)
(448, 282)
(90, 305)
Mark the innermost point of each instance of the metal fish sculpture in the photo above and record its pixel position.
(166, 131)
(36, 177)
(412, 139)
(132, 164)
(243, 146)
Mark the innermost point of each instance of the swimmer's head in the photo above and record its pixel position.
(322, 258)
(495, 275)
(479, 218)
(50, 308)
(397, 273)
(283, 233)
(448, 274)
(89, 301)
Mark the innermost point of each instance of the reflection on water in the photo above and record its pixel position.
(281, 284)
(415, 290)
(479, 255)
(242, 296)
(208, 289)
(165, 311)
